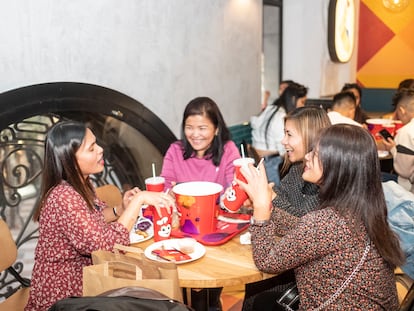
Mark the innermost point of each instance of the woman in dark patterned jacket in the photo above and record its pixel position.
(294, 195)
(302, 126)
(343, 254)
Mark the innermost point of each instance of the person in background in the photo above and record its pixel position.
(267, 128)
(283, 85)
(294, 195)
(402, 146)
(360, 115)
(343, 254)
(343, 109)
(266, 97)
(204, 153)
(406, 84)
(71, 218)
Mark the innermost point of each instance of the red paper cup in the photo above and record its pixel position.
(155, 184)
(234, 197)
(398, 124)
(376, 125)
(162, 225)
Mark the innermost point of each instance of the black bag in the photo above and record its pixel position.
(289, 299)
(122, 299)
(272, 294)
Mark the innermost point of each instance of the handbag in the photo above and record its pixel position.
(125, 298)
(289, 299)
(111, 270)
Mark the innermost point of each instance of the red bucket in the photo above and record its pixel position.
(197, 202)
(376, 125)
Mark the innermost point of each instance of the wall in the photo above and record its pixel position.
(386, 41)
(162, 53)
(305, 49)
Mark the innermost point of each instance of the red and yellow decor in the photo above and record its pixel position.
(385, 43)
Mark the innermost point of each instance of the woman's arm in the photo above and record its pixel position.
(169, 164)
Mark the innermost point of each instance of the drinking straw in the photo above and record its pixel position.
(242, 150)
(261, 161)
(257, 167)
(153, 170)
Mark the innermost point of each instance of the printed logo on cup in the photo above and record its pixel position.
(234, 197)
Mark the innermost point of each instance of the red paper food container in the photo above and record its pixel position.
(197, 202)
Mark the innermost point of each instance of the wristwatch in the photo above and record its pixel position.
(259, 223)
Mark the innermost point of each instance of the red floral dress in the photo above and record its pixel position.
(68, 233)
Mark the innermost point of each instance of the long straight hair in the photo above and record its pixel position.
(206, 107)
(60, 164)
(351, 184)
(308, 121)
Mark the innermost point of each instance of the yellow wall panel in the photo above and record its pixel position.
(387, 68)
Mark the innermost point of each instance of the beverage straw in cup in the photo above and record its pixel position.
(257, 167)
(242, 150)
(153, 169)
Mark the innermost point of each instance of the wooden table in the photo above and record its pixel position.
(229, 264)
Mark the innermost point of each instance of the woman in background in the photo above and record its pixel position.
(71, 218)
(204, 153)
(267, 128)
(343, 254)
(360, 114)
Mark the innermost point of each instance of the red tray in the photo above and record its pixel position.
(224, 232)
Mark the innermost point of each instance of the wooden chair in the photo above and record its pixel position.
(17, 298)
(408, 303)
(110, 194)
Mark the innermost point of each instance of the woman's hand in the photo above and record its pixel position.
(258, 189)
(128, 195)
(133, 208)
(157, 199)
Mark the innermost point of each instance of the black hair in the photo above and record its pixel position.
(351, 184)
(349, 86)
(205, 106)
(62, 142)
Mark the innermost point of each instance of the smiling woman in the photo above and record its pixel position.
(72, 221)
(204, 153)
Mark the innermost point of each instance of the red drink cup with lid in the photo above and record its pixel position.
(233, 198)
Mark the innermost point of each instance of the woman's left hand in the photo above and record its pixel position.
(258, 189)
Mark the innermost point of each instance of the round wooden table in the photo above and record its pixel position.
(229, 264)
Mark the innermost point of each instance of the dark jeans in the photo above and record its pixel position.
(388, 177)
(207, 299)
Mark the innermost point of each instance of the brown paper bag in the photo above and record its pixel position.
(112, 275)
(160, 276)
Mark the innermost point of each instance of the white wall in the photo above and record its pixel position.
(160, 52)
(305, 49)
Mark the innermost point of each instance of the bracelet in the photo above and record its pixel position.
(259, 223)
(114, 210)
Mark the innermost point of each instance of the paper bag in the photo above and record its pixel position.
(112, 275)
(121, 271)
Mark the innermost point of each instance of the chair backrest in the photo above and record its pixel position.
(8, 249)
(7, 246)
(408, 302)
(110, 194)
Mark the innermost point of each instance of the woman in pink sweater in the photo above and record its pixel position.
(204, 153)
